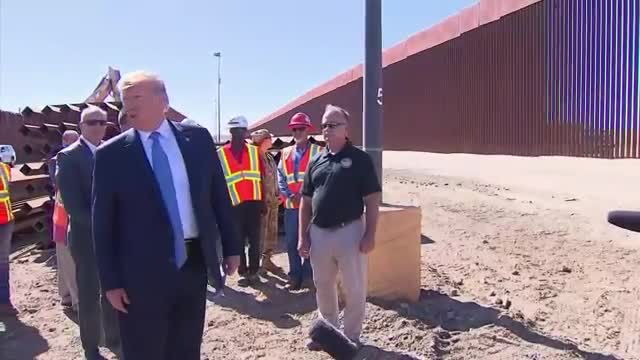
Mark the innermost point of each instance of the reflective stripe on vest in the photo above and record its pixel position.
(6, 214)
(245, 174)
(287, 166)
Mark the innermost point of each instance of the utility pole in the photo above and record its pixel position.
(219, 56)
(372, 129)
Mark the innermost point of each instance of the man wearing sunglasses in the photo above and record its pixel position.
(74, 177)
(291, 171)
(335, 231)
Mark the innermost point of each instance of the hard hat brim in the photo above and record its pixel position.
(291, 126)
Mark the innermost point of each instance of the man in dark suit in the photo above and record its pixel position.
(160, 207)
(67, 285)
(74, 179)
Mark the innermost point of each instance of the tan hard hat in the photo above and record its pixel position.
(260, 135)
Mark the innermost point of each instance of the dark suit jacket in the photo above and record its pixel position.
(74, 179)
(132, 231)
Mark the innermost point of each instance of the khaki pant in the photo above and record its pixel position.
(334, 250)
(269, 231)
(67, 285)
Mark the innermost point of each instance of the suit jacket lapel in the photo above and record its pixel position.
(189, 154)
(86, 156)
(87, 153)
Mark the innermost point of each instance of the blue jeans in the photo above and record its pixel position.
(299, 268)
(5, 248)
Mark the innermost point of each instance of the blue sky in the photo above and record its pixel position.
(54, 52)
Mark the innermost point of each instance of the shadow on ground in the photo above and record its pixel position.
(273, 303)
(437, 309)
(23, 248)
(425, 240)
(19, 341)
(372, 352)
(71, 315)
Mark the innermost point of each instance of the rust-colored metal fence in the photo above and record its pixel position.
(593, 79)
(555, 77)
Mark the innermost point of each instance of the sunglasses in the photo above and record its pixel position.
(332, 125)
(96, 122)
(300, 129)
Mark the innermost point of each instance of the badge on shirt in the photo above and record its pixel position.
(346, 163)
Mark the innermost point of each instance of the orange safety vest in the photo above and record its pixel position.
(243, 179)
(60, 221)
(6, 215)
(287, 166)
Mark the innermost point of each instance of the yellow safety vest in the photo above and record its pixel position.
(6, 215)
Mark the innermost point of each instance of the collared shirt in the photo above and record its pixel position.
(337, 185)
(179, 174)
(91, 147)
(298, 154)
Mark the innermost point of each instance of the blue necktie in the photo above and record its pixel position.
(162, 170)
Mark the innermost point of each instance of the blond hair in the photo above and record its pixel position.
(137, 77)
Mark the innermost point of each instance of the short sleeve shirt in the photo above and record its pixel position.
(337, 185)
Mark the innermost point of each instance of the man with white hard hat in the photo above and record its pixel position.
(243, 170)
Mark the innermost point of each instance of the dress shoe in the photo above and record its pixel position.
(7, 310)
(93, 355)
(313, 346)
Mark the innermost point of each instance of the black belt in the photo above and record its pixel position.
(338, 225)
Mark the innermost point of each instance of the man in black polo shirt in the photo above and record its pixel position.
(338, 185)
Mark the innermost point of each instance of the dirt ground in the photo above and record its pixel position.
(518, 263)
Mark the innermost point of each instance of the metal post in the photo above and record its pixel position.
(219, 56)
(372, 129)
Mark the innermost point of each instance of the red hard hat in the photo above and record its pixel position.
(300, 119)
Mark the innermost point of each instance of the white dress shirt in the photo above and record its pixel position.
(178, 172)
(91, 147)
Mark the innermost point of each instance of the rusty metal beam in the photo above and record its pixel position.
(32, 223)
(33, 169)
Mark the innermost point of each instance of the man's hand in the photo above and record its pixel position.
(230, 264)
(118, 299)
(296, 197)
(367, 244)
(304, 246)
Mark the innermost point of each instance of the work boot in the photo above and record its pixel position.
(244, 281)
(294, 284)
(254, 279)
(269, 265)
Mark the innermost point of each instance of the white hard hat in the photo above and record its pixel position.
(238, 122)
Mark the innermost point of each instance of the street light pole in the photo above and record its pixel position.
(372, 129)
(219, 56)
